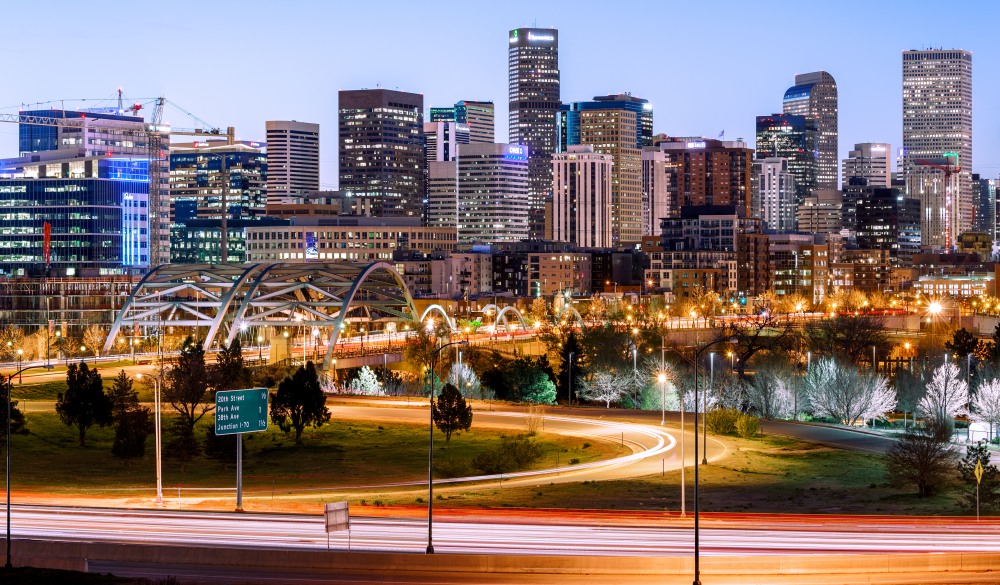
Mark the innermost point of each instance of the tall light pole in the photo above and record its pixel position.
(697, 543)
(704, 404)
(158, 433)
(7, 398)
(662, 378)
(569, 382)
(260, 349)
(430, 452)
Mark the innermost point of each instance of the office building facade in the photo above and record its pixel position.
(483, 194)
(441, 140)
(795, 138)
(984, 201)
(534, 100)
(204, 181)
(937, 123)
(581, 197)
(820, 213)
(889, 220)
(774, 194)
(656, 201)
(292, 159)
(814, 95)
(83, 216)
(382, 150)
(701, 171)
(869, 161)
(936, 182)
(612, 125)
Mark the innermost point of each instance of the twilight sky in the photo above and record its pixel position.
(705, 66)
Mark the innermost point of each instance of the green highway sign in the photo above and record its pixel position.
(240, 411)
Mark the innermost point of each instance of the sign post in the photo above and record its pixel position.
(337, 517)
(238, 412)
(979, 478)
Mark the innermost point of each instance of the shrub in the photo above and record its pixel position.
(722, 421)
(748, 426)
(452, 469)
(512, 454)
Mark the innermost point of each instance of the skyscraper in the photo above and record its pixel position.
(814, 95)
(581, 197)
(869, 161)
(774, 194)
(533, 93)
(613, 125)
(478, 116)
(483, 193)
(702, 171)
(441, 140)
(796, 138)
(292, 159)
(937, 122)
(382, 149)
(984, 198)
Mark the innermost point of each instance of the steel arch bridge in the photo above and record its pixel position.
(230, 298)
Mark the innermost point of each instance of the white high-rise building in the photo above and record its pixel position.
(869, 161)
(441, 140)
(656, 174)
(487, 200)
(292, 159)
(581, 197)
(937, 124)
(773, 198)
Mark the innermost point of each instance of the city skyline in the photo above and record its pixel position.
(720, 93)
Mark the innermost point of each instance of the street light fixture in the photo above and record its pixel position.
(7, 397)
(662, 378)
(260, 348)
(158, 429)
(697, 544)
(430, 451)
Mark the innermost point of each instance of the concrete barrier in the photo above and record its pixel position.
(745, 569)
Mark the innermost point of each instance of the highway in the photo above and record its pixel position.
(672, 536)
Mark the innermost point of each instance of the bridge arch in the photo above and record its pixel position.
(503, 315)
(231, 298)
(568, 308)
(436, 308)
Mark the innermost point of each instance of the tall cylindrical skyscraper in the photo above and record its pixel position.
(533, 67)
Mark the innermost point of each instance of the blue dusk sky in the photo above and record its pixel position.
(705, 66)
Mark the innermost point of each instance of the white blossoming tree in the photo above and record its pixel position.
(605, 386)
(986, 404)
(842, 392)
(366, 383)
(947, 395)
(463, 377)
(770, 393)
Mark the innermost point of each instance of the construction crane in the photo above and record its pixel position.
(948, 169)
(157, 133)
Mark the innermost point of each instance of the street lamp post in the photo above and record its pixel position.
(662, 378)
(260, 349)
(704, 404)
(569, 381)
(430, 452)
(7, 398)
(158, 432)
(697, 543)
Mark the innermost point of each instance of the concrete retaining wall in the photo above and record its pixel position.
(77, 555)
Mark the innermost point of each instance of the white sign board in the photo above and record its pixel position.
(337, 517)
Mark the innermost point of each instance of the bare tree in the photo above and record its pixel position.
(94, 337)
(842, 392)
(605, 386)
(947, 395)
(763, 330)
(986, 404)
(923, 457)
(770, 393)
(848, 336)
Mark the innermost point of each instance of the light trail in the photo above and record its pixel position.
(405, 535)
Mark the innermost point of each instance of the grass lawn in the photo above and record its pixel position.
(341, 453)
(769, 474)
